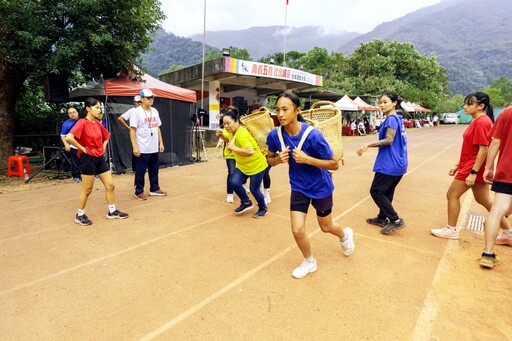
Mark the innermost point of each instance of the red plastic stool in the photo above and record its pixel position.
(17, 162)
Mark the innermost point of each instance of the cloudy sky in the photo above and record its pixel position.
(185, 17)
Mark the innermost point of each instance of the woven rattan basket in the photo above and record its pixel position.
(259, 124)
(325, 117)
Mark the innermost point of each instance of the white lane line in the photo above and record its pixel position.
(189, 312)
(112, 255)
(430, 309)
(195, 308)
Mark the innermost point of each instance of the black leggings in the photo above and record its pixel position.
(382, 192)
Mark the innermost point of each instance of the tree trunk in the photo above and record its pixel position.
(10, 86)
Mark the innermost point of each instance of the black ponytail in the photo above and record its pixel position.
(481, 98)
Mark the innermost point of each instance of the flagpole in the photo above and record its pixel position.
(202, 67)
(284, 35)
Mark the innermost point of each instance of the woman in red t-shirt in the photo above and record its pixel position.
(470, 168)
(91, 138)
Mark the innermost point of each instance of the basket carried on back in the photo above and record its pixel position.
(259, 124)
(327, 119)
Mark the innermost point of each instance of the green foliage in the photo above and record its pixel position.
(471, 39)
(86, 39)
(215, 54)
(234, 52)
(378, 66)
(238, 53)
(33, 114)
(450, 104)
(95, 37)
(500, 92)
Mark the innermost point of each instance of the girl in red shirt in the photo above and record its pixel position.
(469, 170)
(91, 138)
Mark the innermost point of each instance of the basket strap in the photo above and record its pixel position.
(280, 136)
(305, 136)
(302, 139)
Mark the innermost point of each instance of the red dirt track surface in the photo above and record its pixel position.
(184, 267)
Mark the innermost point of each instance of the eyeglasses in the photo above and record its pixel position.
(149, 97)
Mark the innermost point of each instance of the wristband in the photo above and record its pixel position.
(473, 171)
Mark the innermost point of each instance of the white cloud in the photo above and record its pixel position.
(185, 17)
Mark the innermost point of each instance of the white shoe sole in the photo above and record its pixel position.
(302, 276)
(348, 232)
(153, 194)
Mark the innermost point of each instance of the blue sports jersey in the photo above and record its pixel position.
(392, 160)
(309, 180)
(66, 126)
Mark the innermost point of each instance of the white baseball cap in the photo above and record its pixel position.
(136, 98)
(146, 93)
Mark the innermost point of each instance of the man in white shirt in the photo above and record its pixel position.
(146, 139)
(124, 118)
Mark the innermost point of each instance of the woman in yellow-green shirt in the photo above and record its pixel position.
(250, 163)
(225, 136)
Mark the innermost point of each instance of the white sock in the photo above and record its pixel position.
(310, 259)
(81, 212)
(345, 238)
(112, 208)
(453, 228)
(266, 191)
(508, 231)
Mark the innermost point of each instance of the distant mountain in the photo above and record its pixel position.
(472, 39)
(168, 49)
(265, 41)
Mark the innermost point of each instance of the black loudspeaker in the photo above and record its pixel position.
(239, 103)
(56, 89)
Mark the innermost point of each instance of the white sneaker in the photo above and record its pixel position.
(348, 245)
(445, 232)
(304, 269)
(267, 199)
(229, 199)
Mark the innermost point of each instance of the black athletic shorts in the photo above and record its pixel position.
(300, 202)
(91, 165)
(501, 187)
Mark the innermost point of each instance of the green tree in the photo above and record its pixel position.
(450, 104)
(381, 65)
(500, 92)
(234, 52)
(96, 38)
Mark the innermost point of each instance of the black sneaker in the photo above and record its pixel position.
(82, 220)
(392, 226)
(117, 215)
(245, 206)
(377, 221)
(260, 214)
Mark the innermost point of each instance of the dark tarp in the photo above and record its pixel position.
(176, 126)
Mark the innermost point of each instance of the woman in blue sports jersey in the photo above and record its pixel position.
(309, 161)
(390, 164)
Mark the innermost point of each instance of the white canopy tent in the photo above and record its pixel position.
(362, 105)
(346, 104)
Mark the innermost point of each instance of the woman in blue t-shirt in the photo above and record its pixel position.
(390, 164)
(309, 159)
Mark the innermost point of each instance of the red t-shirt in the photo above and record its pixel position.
(476, 135)
(501, 130)
(91, 135)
